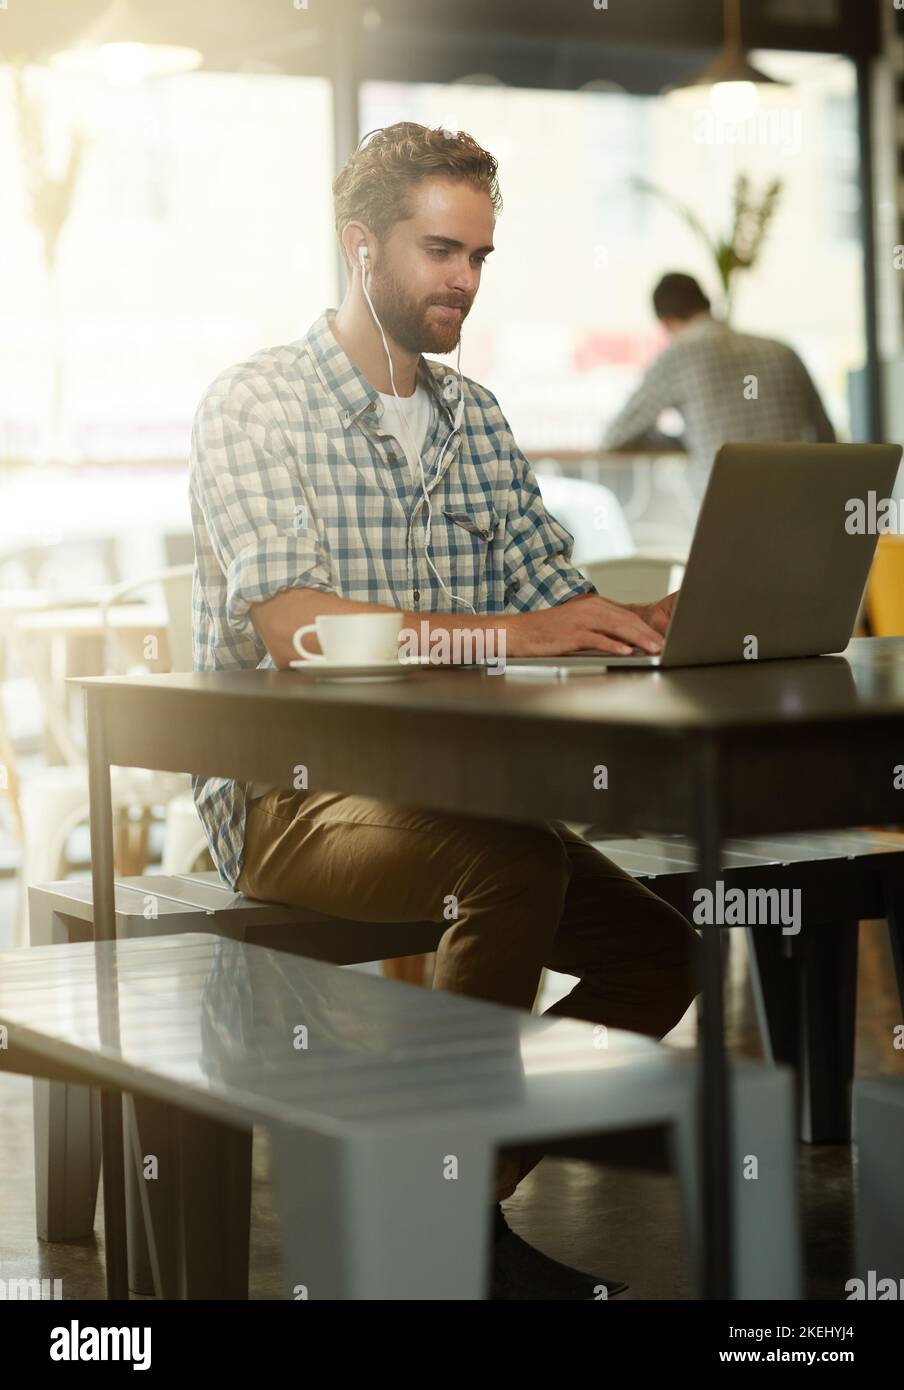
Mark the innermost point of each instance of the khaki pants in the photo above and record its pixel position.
(527, 896)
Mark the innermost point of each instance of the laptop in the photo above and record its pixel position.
(776, 567)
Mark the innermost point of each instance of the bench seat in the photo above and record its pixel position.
(385, 1104)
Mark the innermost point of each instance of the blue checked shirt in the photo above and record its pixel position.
(292, 484)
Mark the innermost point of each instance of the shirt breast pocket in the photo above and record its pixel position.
(469, 536)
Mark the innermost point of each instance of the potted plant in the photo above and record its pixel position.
(49, 200)
(739, 249)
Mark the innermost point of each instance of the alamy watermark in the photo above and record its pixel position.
(753, 907)
(460, 646)
(27, 1288)
(778, 128)
(872, 1287)
(85, 1343)
(873, 515)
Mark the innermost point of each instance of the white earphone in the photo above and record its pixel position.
(456, 425)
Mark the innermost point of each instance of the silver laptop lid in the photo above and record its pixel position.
(777, 568)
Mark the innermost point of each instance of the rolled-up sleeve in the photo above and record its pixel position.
(539, 572)
(258, 516)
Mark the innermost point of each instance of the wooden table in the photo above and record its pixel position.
(708, 752)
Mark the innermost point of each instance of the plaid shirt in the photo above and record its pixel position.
(293, 485)
(704, 373)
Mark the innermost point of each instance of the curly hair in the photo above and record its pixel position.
(373, 185)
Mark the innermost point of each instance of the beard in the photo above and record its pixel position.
(411, 322)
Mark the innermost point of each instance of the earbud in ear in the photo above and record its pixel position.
(362, 256)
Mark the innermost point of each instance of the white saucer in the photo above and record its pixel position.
(391, 670)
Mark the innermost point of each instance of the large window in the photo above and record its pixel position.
(200, 231)
(562, 327)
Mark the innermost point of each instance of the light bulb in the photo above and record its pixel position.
(123, 63)
(733, 101)
(127, 64)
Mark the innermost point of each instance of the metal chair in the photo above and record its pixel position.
(55, 800)
(591, 512)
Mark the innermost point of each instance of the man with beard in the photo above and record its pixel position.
(312, 465)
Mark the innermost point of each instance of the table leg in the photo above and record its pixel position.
(715, 1114)
(113, 1169)
(192, 1221)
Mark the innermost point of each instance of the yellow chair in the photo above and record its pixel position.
(885, 592)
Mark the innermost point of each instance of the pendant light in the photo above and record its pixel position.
(734, 85)
(126, 45)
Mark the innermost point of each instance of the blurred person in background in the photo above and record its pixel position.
(729, 387)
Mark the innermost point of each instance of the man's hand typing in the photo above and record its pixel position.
(591, 623)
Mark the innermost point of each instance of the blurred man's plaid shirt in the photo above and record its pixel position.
(731, 388)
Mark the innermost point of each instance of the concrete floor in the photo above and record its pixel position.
(611, 1220)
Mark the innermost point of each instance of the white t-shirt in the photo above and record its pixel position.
(416, 411)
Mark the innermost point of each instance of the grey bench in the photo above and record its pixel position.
(385, 1104)
(804, 985)
(67, 1117)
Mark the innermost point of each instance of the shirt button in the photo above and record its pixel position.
(417, 595)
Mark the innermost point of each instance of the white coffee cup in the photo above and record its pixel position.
(351, 637)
